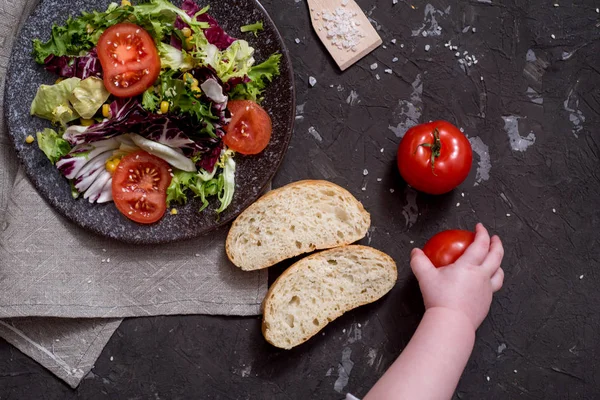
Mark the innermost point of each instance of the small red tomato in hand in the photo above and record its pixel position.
(434, 158)
(129, 59)
(446, 247)
(250, 128)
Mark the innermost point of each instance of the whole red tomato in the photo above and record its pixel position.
(446, 247)
(434, 158)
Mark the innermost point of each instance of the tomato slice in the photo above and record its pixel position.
(139, 187)
(446, 247)
(129, 59)
(250, 128)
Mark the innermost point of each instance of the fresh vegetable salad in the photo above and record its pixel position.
(151, 104)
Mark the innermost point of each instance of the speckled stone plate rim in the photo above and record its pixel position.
(155, 236)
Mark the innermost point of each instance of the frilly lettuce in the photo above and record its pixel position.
(171, 57)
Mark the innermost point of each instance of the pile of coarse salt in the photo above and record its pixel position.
(342, 29)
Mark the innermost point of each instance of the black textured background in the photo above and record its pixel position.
(541, 339)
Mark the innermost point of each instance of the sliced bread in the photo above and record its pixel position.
(295, 219)
(320, 288)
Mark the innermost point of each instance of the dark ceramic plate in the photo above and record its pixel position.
(253, 173)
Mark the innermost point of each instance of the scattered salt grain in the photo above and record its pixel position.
(312, 81)
(393, 41)
(412, 241)
(424, 33)
(377, 77)
(384, 46)
(508, 215)
(104, 260)
(395, 59)
(108, 260)
(365, 172)
(580, 277)
(197, 255)
(111, 358)
(388, 71)
(374, 66)
(394, 2)
(554, 210)
(457, 54)
(379, 179)
(343, 330)
(359, 325)
(597, 10)
(515, 371)
(381, 150)
(457, 204)
(556, 4)
(104, 250)
(474, 30)
(552, 36)
(427, 47)
(297, 40)
(391, 190)
(401, 45)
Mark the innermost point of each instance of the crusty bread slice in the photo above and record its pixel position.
(321, 287)
(295, 219)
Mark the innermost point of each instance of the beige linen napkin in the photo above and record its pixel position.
(63, 290)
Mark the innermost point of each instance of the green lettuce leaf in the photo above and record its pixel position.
(260, 75)
(171, 57)
(254, 28)
(53, 146)
(52, 102)
(150, 100)
(88, 96)
(180, 183)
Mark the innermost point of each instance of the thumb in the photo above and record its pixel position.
(420, 264)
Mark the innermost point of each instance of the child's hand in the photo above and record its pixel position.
(467, 285)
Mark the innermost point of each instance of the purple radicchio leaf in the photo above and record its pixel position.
(214, 34)
(80, 67)
(127, 115)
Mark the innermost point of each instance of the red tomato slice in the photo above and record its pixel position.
(434, 158)
(139, 187)
(129, 59)
(250, 128)
(446, 247)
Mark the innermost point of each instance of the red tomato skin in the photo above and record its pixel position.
(255, 135)
(451, 168)
(148, 67)
(127, 191)
(446, 247)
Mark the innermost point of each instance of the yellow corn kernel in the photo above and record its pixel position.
(187, 32)
(125, 3)
(187, 77)
(112, 163)
(59, 80)
(188, 41)
(106, 110)
(29, 139)
(164, 107)
(174, 211)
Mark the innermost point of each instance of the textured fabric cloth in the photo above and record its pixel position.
(63, 290)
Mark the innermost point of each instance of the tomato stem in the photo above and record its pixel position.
(436, 148)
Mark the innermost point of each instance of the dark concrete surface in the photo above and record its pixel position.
(540, 340)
